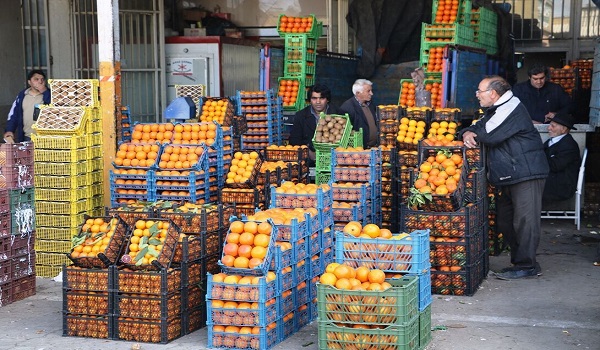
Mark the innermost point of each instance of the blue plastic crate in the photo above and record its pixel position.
(359, 192)
(314, 222)
(195, 180)
(301, 270)
(301, 318)
(293, 232)
(260, 292)
(115, 199)
(263, 341)
(325, 218)
(287, 301)
(370, 157)
(354, 213)
(285, 278)
(409, 255)
(300, 249)
(265, 314)
(370, 174)
(425, 298)
(327, 239)
(302, 294)
(320, 200)
(314, 243)
(281, 258)
(313, 310)
(260, 270)
(198, 196)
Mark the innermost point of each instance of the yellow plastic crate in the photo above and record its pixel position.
(60, 169)
(74, 92)
(96, 201)
(47, 270)
(62, 120)
(95, 177)
(66, 221)
(62, 208)
(61, 181)
(94, 152)
(98, 211)
(62, 195)
(96, 189)
(53, 246)
(60, 156)
(55, 259)
(94, 139)
(93, 126)
(95, 164)
(59, 142)
(56, 233)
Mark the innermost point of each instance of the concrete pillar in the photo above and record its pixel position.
(110, 82)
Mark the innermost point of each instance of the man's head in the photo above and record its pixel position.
(37, 80)
(363, 90)
(561, 124)
(320, 95)
(490, 90)
(537, 75)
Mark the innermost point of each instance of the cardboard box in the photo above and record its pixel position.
(194, 32)
(194, 15)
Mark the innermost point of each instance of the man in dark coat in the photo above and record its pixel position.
(517, 166)
(305, 120)
(362, 112)
(542, 98)
(563, 157)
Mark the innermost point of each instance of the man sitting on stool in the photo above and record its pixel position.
(564, 159)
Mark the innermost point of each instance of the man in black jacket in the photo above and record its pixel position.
(562, 152)
(305, 120)
(517, 166)
(542, 98)
(362, 112)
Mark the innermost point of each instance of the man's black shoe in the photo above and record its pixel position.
(538, 269)
(516, 274)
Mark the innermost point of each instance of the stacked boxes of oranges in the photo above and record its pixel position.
(407, 92)
(484, 23)
(262, 110)
(68, 168)
(300, 35)
(17, 227)
(215, 109)
(584, 70)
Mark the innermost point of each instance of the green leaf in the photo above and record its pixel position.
(144, 240)
(139, 262)
(154, 230)
(154, 241)
(153, 252)
(140, 255)
(78, 240)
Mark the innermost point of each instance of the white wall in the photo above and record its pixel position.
(263, 13)
(60, 39)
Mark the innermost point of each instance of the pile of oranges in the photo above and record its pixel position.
(434, 62)
(343, 276)
(247, 244)
(411, 131)
(195, 134)
(214, 110)
(132, 154)
(151, 133)
(242, 166)
(447, 11)
(436, 93)
(288, 91)
(180, 157)
(439, 173)
(407, 94)
(94, 237)
(295, 24)
(146, 242)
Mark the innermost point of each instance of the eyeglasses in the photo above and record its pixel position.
(481, 91)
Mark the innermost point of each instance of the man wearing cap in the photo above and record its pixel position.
(563, 157)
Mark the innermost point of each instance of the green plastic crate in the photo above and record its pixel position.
(323, 160)
(299, 40)
(343, 141)
(322, 177)
(452, 34)
(393, 337)
(315, 31)
(424, 327)
(349, 307)
(301, 97)
(463, 14)
(298, 68)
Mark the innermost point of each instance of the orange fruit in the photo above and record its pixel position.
(371, 230)
(328, 279)
(376, 276)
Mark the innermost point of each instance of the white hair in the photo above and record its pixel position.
(359, 84)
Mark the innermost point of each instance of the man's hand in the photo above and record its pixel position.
(548, 117)
(469, 139)
(9, 137)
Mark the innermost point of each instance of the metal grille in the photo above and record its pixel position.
(535, 20)
(141, 50)
(35, 35)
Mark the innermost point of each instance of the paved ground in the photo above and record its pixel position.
(559, 310)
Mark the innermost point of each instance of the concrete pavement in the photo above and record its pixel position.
(559, 310)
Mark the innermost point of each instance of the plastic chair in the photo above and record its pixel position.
(576, 213)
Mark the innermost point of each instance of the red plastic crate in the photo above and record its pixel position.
(18, 176)
(16, 154)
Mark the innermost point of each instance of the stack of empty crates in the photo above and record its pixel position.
(68, 169)
(17, 228)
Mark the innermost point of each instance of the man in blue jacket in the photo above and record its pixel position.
(362, 113)
(517, 166)
(22, 113)
(542, 98)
